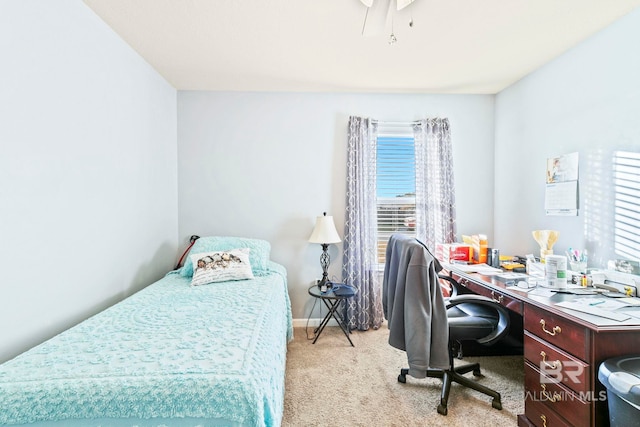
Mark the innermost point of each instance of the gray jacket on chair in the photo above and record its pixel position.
(414, 306)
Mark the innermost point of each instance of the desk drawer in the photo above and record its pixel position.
(541, 416)
(555, 397)
(504, 300)
(571, 371)
(562, 333)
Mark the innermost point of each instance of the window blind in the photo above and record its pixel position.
(626, 166)
(396, 184)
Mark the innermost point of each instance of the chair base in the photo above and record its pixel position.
(456, 374)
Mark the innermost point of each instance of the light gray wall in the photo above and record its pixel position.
(265, 165)
(89, 186)
(585, 101)
(88, 176)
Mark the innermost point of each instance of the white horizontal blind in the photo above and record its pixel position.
(396, 183)
(627, 204)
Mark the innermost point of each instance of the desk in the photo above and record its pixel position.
(332, 302)
(563, 350)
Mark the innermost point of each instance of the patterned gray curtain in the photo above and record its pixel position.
(359, 266)
(435, 189)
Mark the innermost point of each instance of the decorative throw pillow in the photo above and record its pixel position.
(258, 257)
(221, 266)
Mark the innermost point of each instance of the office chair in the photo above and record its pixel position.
(469, 318)
(452, 286)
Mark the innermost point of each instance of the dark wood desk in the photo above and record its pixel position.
(563, 350)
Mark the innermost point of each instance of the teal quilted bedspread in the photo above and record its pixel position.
(169, 351)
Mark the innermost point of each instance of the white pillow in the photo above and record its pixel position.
(221, 266)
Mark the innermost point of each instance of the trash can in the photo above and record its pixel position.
(621, 377)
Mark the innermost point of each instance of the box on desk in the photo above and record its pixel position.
(450, 252)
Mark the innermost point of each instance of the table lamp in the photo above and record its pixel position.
(324, 233)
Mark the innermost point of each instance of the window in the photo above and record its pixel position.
(626, 167)
(396, 184)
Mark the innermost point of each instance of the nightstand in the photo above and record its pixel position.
(331, 300)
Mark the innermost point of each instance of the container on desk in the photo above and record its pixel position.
(493, 257)
(555, 268)
(578, 266)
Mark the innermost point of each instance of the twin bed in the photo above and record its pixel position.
(170, 355)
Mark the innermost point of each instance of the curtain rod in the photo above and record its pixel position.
(396, 123)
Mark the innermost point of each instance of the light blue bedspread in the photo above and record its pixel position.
(170, 351)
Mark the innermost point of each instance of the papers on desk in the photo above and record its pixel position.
(512, 276)
(601, 303)
(542, 292)
(630, 301)
(594, 309)
(632, 313)
(485, 269)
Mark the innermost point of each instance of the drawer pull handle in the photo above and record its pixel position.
(544, 420)
(555, 330)
(552, 398)
(553, 365)
(499, 299)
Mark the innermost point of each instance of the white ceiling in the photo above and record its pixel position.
(454, 46)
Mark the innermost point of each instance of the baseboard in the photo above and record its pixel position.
(301, 323)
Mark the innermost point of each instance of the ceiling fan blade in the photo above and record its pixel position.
(376, 17)
(401, 3)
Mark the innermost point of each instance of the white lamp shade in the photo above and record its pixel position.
(324, 231)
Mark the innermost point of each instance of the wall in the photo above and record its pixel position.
(265, 165)
(88, 177)
(585, 101)
(89, 187)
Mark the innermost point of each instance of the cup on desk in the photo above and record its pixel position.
(578, 266)
(493, 257)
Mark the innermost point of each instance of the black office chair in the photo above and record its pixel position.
(451, 284)
(470, 318)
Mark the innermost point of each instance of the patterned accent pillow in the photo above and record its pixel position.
(258, 257)
(221, 266)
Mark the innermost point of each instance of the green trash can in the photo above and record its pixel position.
(621, 377)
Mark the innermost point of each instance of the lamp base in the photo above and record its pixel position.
(324, 283)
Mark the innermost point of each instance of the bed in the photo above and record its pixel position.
(172, 354)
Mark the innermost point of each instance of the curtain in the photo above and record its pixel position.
(359, 267)
(435, 189)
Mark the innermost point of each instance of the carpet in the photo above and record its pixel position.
(331, 383)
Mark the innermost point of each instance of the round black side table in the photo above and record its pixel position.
(332, 301)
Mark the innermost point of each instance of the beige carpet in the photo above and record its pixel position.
(331, 383)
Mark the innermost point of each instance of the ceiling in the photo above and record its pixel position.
(454, 46)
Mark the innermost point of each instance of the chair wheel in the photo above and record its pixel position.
(442, 410)
(477, 373)
(402, 379)
(496, 404)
